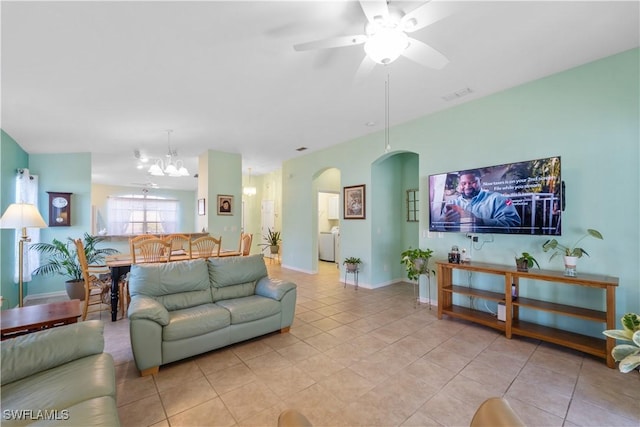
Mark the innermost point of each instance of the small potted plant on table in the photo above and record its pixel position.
(272, 241)
(571, 253)
(525, 261)
(352, 263)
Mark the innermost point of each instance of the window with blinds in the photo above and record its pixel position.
(134, 214)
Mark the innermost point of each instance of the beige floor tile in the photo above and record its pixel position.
(210, 413)
(186, 395)
(143, 412)
(346, 385)
(229, 379)
(298, 351)
(135, 389)
(587, 414)
(323, 341)
(319, 367)
(287, 381)
(249, 400)
(447, 410)
(176, 374)
(217, 360)
(378, 362)
(250, 349)
(268, 362)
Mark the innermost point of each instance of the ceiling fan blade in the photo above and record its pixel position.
(365, 68)
(375, 9)
(425, 15)
(425, 55)
(331, 42)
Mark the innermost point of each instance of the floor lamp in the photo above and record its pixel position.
(21, 216)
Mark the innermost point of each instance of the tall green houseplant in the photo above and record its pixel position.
(62, 257)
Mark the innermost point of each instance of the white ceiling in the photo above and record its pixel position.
(110, 77)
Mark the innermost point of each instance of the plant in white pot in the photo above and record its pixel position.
(416, 263)
(352, 263)
(627, 354)
(63, 259)
(272, 241)
(571, 253)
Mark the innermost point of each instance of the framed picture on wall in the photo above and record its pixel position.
(201, 207)
(225, 204)
(354, 202)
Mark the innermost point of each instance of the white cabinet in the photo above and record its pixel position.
(333, 207)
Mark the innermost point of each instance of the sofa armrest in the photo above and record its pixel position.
(273, 288)
(29, 354)
(143, 307)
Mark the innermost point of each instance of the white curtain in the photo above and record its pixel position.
(27, 192)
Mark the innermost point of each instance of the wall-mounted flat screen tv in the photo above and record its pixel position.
(514, 198)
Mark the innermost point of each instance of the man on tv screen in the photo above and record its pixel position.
(475, 209)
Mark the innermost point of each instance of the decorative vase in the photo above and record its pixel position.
(75, 289)
(570, 263)
(351, 267)
(522, 265)
(420, 265)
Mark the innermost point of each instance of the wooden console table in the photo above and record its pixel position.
(512, 324)
(33, 318)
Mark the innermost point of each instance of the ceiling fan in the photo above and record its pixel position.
(385, 35)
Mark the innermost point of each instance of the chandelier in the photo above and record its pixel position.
(173, 166)
(249, 190)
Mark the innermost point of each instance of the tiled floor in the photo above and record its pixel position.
(368, 357)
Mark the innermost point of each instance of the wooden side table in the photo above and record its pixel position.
(33, 318)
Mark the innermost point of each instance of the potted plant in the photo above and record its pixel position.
(352, 263)
(571, 253)
(628, 355)
(525, 261)
(272, 241)
(416, 262)
(63, 260)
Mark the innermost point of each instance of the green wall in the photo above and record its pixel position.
(12, 157)
(587, 115)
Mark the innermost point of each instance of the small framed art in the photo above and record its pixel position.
(354, 202)
(225, 204)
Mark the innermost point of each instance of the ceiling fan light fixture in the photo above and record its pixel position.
(386, 45)
(155, 169)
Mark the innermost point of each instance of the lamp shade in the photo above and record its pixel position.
(21, 215)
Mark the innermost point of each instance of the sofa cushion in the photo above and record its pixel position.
(177, 284)
(62, 387)
(29, 354)
(194, 321)
(250, 308)
(235, 277)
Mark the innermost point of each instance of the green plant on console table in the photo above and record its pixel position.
(628, 355)
(272, 238)
(416, 262)
(525, 261)
(574, 250)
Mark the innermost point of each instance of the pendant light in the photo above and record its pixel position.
(387, 144)
(174, 167)
(249, 190)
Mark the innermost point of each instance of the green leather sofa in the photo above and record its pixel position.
(59, 376)
(184, 308)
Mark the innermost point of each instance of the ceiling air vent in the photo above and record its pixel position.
(457, 94)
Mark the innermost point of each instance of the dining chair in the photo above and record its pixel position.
(139, 238)
(245, 243)
(97, 282)
(205, 247)
(180, 244)
(151, 250)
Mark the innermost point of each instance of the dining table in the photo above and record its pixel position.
(120, 264)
